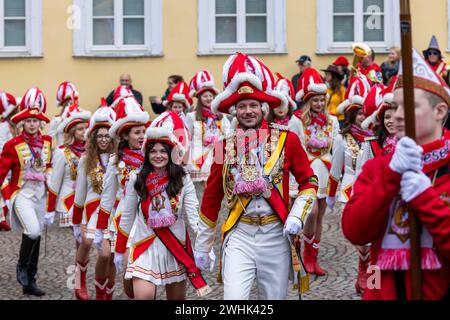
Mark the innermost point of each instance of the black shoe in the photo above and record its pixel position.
(33, 290)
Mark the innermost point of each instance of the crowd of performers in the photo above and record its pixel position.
(129, 185)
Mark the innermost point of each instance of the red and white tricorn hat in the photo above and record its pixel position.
(129, 113)
(33, 105)
(246, 77)
(8, 104)
(285, 86)
(357, 91)
(72, 116)
(426, 78)
(120, 93)
(169, 128)
(310, 84)
(373, 101)
(202, 81)
(103, 117)
(66, 91)
(180, 93)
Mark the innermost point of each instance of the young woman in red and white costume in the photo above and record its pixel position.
(318, 130)
(28, 157)
(66, 95)
(89, 186)
(8, 130)
(205, 127)
(416, 176)
(157, 198)
(66, 158)
(129, 131)
(179, 101)
(347, 153)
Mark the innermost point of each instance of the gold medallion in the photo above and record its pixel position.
(249, 173)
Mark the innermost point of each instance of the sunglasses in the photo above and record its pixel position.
(433, 53)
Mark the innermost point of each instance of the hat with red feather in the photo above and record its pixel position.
(66, 91)
(129, 113)
(310, 84)
(202, 81)
(356, 94)
(33, 105)
(180, 93)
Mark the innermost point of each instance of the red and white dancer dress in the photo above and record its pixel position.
(62, 183)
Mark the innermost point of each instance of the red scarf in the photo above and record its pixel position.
(157, 183)
(436, 154)
(360, 134)
(389, 145)
(78, 148)
(134, 158)
(319, 119)
(207, 113)
(35, 143)
(283, 122)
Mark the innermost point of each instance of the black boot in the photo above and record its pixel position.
(32, 288)
(24, 257)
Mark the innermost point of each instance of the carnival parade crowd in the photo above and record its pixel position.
(279, 152)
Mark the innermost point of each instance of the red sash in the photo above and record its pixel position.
(277, 203)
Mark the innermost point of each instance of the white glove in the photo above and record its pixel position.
(49, 218)
(77, 232)
(331, 201)
(407, 156)
(118, 261)
(413, 184)
(292, 226)
(201, 259)
(98, 239)
(212, 259)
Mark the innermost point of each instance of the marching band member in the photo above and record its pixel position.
(129, 130)
(66, 95)
(318, 131)
(28, 157)
(8, 108)
(252, 169)
(415, 177)
(89, 185)
(205, 128)
(157, 198)
(347, 152)
(66, 158)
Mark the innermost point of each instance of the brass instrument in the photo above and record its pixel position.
(360, 51)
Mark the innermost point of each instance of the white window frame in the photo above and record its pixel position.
(33, 32)
(325, 43)
(448, 26)
(276, 31)
(83, 32)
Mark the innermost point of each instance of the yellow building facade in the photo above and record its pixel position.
(46, 42)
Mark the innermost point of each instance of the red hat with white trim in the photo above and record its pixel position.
(66, 91)
(73, 116)
(33, 105)
(388, 98)
(202, 81)
(129, 113)
(373, 101)
(246, 77)
(169, 128)
(310, 84)
(121, 92)
(425, 78)
(180, 93)
(357, 91)
(285, 86)
(103, 117)
(8, 104)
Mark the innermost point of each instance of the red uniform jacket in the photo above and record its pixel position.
(365, 219)
(12, 160)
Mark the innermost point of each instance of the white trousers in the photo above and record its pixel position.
(30, 213)
(265, 257)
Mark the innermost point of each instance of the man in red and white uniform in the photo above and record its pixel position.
(252, 170)
(417, 175)
(28, 157)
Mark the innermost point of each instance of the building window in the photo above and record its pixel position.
(252, 26)
(375, 22)
(20, 28)
(118, 28)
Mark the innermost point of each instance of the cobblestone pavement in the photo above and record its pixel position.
(337, 256)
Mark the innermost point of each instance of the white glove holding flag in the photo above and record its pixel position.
(201, 259)
(407, 156)
(413, 184)
(118, 261)
(49, 218)
(292, 226)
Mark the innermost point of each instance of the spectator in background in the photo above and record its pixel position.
(157, 103)
(125, 80)
(433, 55)
(342, 65)
(390, 67)
(303, 62)
(336, 92)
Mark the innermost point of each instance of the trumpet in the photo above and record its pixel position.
(360, 51)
